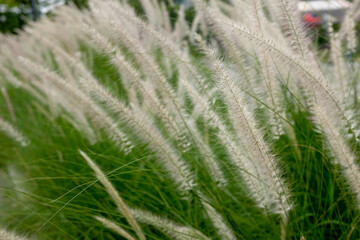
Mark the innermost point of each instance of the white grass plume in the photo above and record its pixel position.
(163, 40)
(209, 158)
(230, 141)
(311, 78)
(226, 39)
(269, 90)
(13, 133)
(17, 83)
(115, 227)
(218, 221)
(348, 27)
(343, 156)
(181, 27)
(151, 101)
(61, 88)
(294, 29)
(171, 228)
(337, 59)
(272, 86)
(148, 64)
(265, 165)
(123, 208)
(190, 72)
(6, 235)
(157, 13)
(178, 169)
(322, 98)
(310, 75)
(151, 69)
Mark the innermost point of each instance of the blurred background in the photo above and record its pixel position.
(14, 14)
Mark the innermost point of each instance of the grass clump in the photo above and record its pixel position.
(227, 127)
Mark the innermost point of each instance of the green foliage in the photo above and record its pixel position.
(13, 22)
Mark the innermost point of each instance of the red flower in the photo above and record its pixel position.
(311, 20)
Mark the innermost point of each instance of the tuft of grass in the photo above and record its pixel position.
(230, 125)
